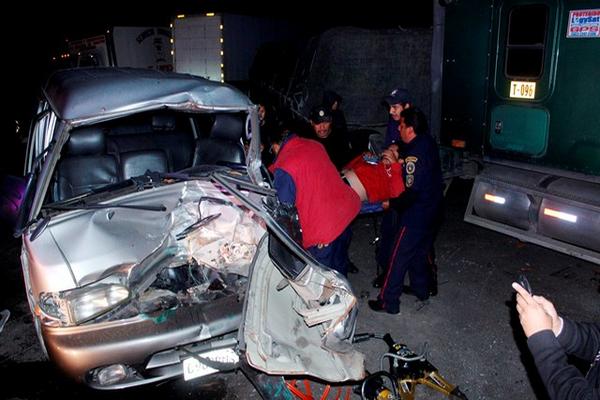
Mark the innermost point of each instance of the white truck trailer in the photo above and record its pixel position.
(125, 46)
(221, 47)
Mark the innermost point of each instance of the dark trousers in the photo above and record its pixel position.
(390, 224)
(335, 255)
(409, 255)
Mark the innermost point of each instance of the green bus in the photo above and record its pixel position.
(521, 94)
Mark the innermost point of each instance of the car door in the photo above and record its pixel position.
(299, 316)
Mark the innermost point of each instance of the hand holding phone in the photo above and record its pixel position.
(522, 280)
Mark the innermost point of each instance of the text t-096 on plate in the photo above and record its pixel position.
(522, 90)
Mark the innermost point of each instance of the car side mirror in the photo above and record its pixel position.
(19, 193)
(12, 190)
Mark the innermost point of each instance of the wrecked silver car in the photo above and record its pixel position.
(153, 245)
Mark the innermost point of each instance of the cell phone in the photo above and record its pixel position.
(522, 280)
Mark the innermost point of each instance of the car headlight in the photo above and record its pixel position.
(73, 307)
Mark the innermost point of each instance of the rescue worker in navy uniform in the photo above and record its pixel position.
(398, 100)
(335, 140)
(419, 208)
(304, 176)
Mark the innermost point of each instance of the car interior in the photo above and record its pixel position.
(158, 141)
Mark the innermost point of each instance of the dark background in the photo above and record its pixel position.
(38, 31)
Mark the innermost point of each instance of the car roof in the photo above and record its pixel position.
(84, 94)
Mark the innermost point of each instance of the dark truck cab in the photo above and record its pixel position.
(520, 92)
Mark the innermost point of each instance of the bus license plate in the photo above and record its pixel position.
(193, 368)
(522, 90)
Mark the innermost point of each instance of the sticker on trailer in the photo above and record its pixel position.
(584, 24)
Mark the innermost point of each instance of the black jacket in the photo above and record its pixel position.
(562, 380)
(337, 147)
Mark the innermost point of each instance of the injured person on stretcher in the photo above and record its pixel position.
(374, 179)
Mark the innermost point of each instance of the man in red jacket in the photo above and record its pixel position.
(304, 176)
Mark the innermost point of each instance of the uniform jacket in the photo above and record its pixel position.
(420, 204)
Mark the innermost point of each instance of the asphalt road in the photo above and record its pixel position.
(471, 330)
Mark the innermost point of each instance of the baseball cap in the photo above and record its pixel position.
(397, 96)
(320, 114)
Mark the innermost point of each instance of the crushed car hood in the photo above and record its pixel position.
(80, 246)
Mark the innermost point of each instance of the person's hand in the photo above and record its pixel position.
(548, 307)
(532, 314)
(389, 155)
(551, 311)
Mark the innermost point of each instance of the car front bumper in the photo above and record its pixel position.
(145, 343)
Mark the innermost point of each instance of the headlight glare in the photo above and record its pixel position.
(84, 304)
(73, 307)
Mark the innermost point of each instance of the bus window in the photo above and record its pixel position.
(527, 26)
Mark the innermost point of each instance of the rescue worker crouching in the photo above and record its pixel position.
(304, 176)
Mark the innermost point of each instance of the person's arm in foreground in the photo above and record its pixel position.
(546, 332)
